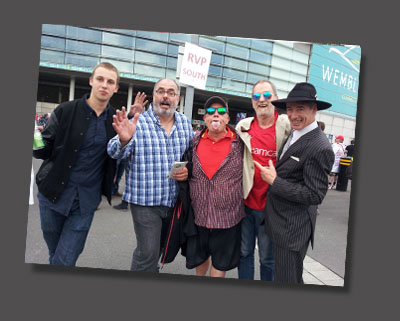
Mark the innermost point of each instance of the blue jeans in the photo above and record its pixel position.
(148, 222)
(252, 230)
(65, 236)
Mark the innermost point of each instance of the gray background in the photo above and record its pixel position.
(36, 291)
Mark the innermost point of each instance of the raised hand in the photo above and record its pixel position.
(124, 128)
(138, 104)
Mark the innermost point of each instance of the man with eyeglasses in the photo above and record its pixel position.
(151, 144)
(263, 136)
(216, 194)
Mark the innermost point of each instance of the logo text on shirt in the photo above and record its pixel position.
(263, 152)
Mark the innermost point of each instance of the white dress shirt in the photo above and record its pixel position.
(298, 133)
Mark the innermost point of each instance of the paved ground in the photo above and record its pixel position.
(111, 241)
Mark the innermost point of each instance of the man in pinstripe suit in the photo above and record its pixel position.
(298, 183)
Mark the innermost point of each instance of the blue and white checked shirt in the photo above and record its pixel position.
(150, 154)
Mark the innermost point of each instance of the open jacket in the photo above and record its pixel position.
(63, 137)
(300, 186)
(282, 128)
(180, 225)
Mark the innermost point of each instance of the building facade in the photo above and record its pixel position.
(69, 53)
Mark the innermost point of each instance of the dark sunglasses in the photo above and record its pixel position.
(267, 95)
(220, 110)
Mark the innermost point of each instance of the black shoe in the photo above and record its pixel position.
(122, 207)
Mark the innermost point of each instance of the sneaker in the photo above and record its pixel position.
(122, 207)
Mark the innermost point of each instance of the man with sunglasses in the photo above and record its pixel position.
(263, 136)
(151, 144)
(298, 182)
(216, 194)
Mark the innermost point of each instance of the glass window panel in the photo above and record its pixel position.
(282, 62)
(118, 40)
(153, 35)
(171, 74)
(173, 49)
(284, 52)
(54, 29)
(53, 42)
(236, 51)
(52, 56)
(213, 82)
(126, 67)
(240, 41)
(125, 31)
(235, 63)
(149, 45)
(117, 52)
(300, 57)
(180, 37)
(217, 59)
(233, 85)
(216, 46)
(81, 61)
(260, 69)
(215, 70)
(149, 71)
(299, 68)
(239, 75)
(249, 88)
(282, 74)
(260, 57)
(83, 47)
(252, 78)
(150, 58)
(172, 62)
(261, 45)
(295, 78)
(84, 34)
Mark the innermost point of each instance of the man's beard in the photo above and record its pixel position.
(164, 112)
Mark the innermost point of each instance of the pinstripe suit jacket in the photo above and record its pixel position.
(301, 184)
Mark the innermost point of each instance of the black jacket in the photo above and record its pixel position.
(177, 228)
(63, 137)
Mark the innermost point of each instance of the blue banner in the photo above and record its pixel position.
(334, 71)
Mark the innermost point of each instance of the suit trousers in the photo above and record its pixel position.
(289, 265)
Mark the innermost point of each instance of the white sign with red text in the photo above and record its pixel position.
(195, 65)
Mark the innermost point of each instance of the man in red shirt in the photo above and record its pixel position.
(263, 136)
(216, 194)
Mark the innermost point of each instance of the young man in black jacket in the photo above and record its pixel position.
(76, 170)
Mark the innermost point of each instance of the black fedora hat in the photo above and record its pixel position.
(302, 91)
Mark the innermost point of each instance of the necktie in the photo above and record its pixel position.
(287, 145)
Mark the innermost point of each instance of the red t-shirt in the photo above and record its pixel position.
(212, 153)
(263, 148)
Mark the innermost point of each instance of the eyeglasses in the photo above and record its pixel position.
(267, 95)
(162, 92)
(220, 110)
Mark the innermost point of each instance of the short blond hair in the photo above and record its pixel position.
(108, 66)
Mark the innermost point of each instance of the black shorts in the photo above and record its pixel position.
(223, 245)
